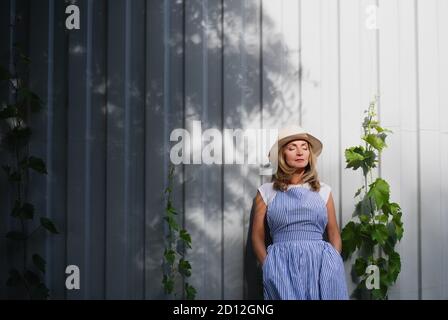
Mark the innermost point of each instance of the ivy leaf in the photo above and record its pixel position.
(49, 225)
(350, 239)
(170, 256)
(369, 161)
(394, 265)
(388, 246)
(37, 164)
(376, 141)
(360, 266)
(399, 231)
(172, 223)
(39, 262)
(392, 234)
(168, 284)
(382, 218)
(190, 291)
(184, 267)
(379, 190)
(364, 207)
(394, 210)
(367, 245)
(170, 208)
(380, 233)
(354, 157)
(185, 237)
(379, 294)
(364, 218)
(16, 235)
(359, 157)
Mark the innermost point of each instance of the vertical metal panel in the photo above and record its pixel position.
(233, 103)
(252, 105)
(329, 163)
(40, 53)
(155, 159)
(280, 72)
(5, 194)
(117, 151)
(431, 231)
(310, 53)
(350, 95)
(79, 151)
(57, 173)
(212, 120)
(442, 10)
(198, 220)
(96, 137)
(136, 124)
(174, 44)
(397, 57)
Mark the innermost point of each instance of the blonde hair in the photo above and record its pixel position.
(284, 172)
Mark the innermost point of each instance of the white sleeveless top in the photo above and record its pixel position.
(268, 192)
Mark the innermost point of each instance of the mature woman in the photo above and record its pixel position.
(298, 208)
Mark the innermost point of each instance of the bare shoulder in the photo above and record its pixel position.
(266, 191)
(325, 191)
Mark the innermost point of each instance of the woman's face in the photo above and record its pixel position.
(297, 153)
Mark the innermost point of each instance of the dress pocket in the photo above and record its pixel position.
(266, 258)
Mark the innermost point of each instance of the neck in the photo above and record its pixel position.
(297, 177)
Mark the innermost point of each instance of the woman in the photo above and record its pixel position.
(298, 208)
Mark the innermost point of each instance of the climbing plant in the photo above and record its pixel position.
(377, 225)
(15, 108)
(175, 266)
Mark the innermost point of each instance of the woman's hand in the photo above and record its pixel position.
(334, 235)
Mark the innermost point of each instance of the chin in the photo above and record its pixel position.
(299, 166)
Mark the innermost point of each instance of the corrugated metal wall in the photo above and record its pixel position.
(136, 70)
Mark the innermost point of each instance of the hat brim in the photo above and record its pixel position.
(316, 144)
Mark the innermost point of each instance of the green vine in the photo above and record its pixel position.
(378, 226)
(175, 264)
(14, 120)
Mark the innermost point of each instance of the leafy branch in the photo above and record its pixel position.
(177, 239)
(379, 226)
(14, 117)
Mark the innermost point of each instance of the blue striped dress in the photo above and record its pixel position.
(299, 264)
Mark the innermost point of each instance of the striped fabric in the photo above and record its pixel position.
(299, 264)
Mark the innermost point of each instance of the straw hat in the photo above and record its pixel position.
(291, 133)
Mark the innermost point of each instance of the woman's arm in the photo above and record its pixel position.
(258, 232)
(334, 235)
